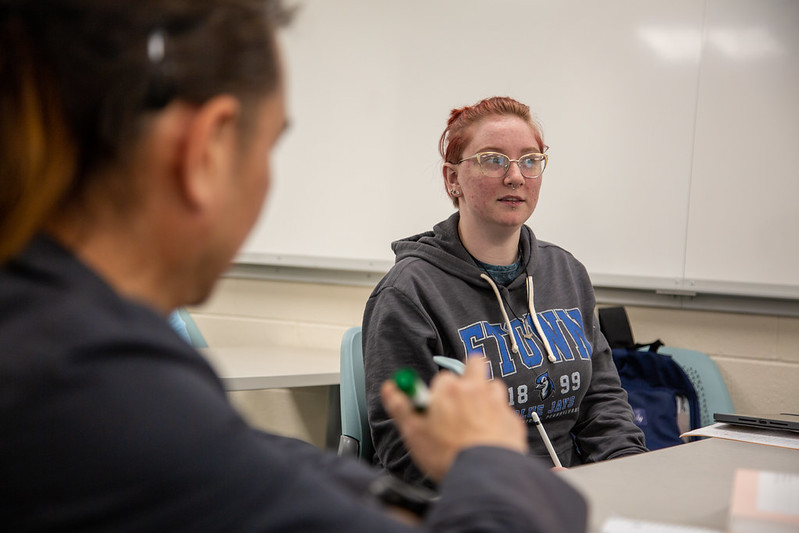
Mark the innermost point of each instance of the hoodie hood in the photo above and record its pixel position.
(442, 247)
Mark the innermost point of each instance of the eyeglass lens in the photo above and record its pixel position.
(496, 165)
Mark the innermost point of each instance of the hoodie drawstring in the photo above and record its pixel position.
(513, 346)
(533, 316)
(536, 321)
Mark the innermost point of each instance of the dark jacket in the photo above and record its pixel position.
(111, 422)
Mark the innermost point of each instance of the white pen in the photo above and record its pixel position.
(545, 438)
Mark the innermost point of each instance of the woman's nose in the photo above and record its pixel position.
(514, 175)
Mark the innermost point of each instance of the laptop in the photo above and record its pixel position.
(784, 421)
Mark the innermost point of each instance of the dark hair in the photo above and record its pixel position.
(78, 78)
(457, 134)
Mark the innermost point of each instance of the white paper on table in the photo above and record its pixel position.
(769, 437)
(764, 501)
(617, 524)
(778, 493)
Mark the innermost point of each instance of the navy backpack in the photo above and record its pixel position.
(662, 396)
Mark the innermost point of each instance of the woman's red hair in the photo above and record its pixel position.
(457, 135)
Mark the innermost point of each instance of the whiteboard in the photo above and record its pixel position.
(646, 110)
(744, 208)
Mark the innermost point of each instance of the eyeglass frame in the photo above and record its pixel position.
(507, 168)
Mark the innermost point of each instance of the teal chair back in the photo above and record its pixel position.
(711, 390)
(356, 438)
(195, 337)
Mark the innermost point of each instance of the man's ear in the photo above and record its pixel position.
(210, 149)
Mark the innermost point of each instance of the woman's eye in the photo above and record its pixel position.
(494, 160)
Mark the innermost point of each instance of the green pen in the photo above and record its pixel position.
(411, 384)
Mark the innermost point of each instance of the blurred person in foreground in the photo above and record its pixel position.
(135, 141)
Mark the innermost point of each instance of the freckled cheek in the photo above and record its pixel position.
(534, 193)
(533, 202)
(482, 193)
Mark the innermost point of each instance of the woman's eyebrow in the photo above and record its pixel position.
(529, 150)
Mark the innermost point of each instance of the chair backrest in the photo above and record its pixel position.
(195, 337)
(711, 390)
(356, 438)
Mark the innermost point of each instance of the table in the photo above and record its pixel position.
(269, 367)
(277, 367)
(689, 484)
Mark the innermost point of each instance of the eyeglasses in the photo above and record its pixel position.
(496, 165)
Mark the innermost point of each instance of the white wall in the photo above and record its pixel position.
(671, 128)
(758, 355)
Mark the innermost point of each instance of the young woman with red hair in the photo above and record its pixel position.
(480, 285)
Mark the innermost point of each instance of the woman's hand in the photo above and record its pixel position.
(464, 411)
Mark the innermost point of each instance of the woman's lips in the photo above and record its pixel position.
(511, 200)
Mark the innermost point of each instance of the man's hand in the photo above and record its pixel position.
(464, 411)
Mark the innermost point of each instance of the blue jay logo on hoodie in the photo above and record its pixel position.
(544, 384)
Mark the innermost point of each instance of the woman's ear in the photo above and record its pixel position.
(450, 172)
(211, 146)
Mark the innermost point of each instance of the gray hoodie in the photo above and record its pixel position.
(436, 300)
